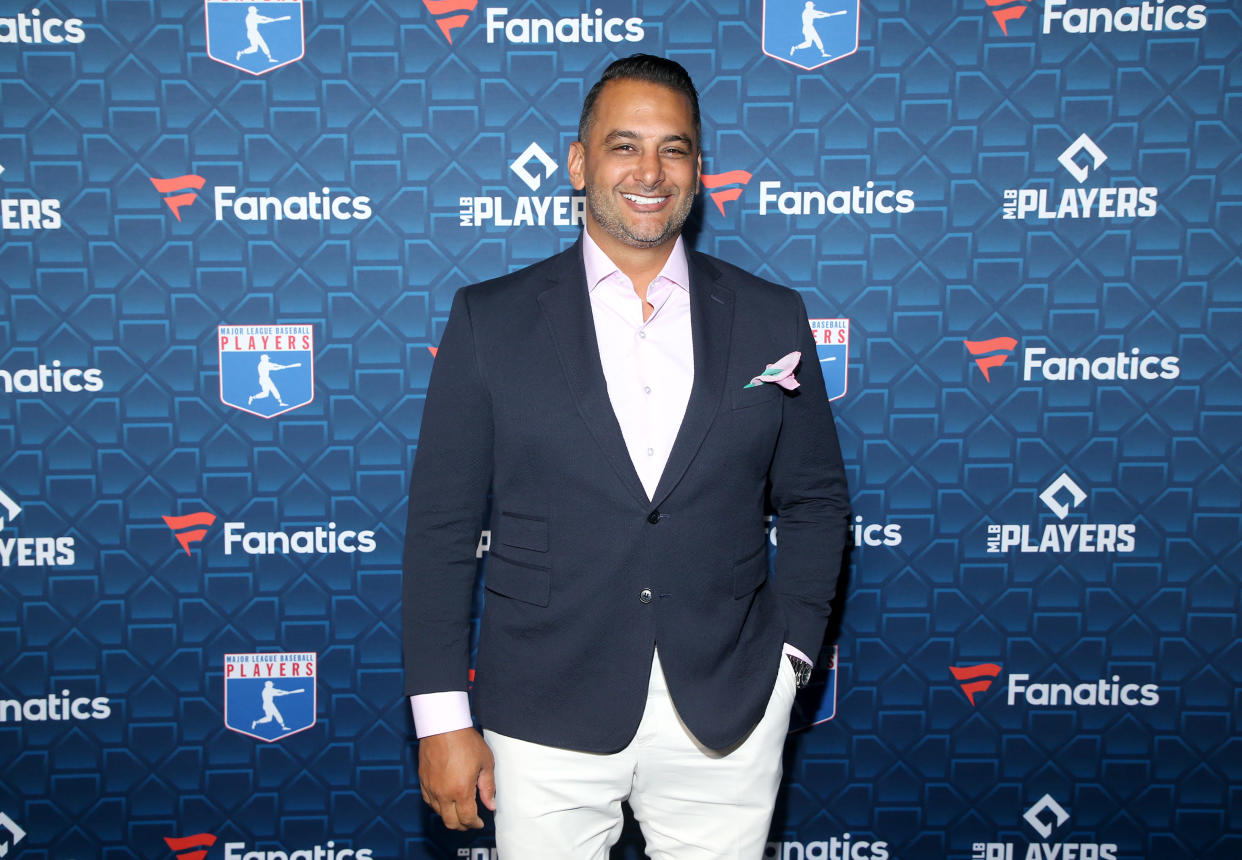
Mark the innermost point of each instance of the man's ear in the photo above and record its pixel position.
(575, 165)
(698, 172)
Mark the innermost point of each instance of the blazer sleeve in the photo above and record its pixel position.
(811, 501)
(448, 502)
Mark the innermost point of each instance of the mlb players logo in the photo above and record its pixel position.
(267, 370)
(255, 36)
(270, 696)
(832, 343)
(810, 33)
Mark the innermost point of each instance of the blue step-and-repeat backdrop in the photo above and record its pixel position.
(231, 231)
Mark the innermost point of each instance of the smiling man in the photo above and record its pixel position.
(613, 401)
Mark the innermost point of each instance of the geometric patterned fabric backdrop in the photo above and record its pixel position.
(231, 232)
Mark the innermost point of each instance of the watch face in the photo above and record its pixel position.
(816, 703)
(802, 670)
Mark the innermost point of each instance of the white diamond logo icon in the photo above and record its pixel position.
(11, 509)
(16, 832)
(1045, 804)
(1049, 496)
(519, 166)
(1083, 144)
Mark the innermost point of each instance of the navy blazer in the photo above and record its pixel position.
(586, 574)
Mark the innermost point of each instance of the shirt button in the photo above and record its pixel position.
(645, 595)
(642, 334)
(651, 452)
(647, 389)
(653, 517)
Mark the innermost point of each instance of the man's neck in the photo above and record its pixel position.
(640, 265)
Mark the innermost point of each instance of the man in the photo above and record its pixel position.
(631, 644)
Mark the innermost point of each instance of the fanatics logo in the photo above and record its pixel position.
(190, 528)
(450, 15)
(799, 33)
(191, 847)
(1005, 11)
(1002, 346)
(718, 180)
(185, 198)
(34, 29)
(1145, 17)
(314, 540)
(975, 679)
(320, 205)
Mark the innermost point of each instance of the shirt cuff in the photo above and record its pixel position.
(789, 649)
(437, 713)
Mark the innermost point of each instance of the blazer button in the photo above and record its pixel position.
(653, 517)
(645, 595)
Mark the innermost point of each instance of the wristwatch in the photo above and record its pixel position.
(802, 670)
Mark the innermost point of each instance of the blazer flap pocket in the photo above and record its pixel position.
(523, 531)
(520, 581)
(765, 392)
(748, 575)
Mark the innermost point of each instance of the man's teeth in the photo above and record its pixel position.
(644, 201)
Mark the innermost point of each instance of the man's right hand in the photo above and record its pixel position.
(450, 767)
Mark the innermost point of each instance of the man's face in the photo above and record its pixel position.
(639, 166)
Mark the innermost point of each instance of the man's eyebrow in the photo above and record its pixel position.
(626, 134)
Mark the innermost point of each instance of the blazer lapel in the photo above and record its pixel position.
(711, 320)
(567, 307)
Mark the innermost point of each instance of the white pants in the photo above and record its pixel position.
(691, 802)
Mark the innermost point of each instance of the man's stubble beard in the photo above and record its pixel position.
(606, 214)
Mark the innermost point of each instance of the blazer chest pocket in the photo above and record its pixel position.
(766, 392)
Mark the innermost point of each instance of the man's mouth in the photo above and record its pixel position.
(640, 200)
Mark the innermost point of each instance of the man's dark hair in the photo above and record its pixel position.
(653, 70)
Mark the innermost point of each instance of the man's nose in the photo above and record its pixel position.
(649, 170)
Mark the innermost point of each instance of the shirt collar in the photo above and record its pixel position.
(599, 266)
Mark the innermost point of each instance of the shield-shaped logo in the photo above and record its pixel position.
(810, 33)
(255, 36)
(267, 370)
(270, 696)
(832, 343)
(817, 702)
